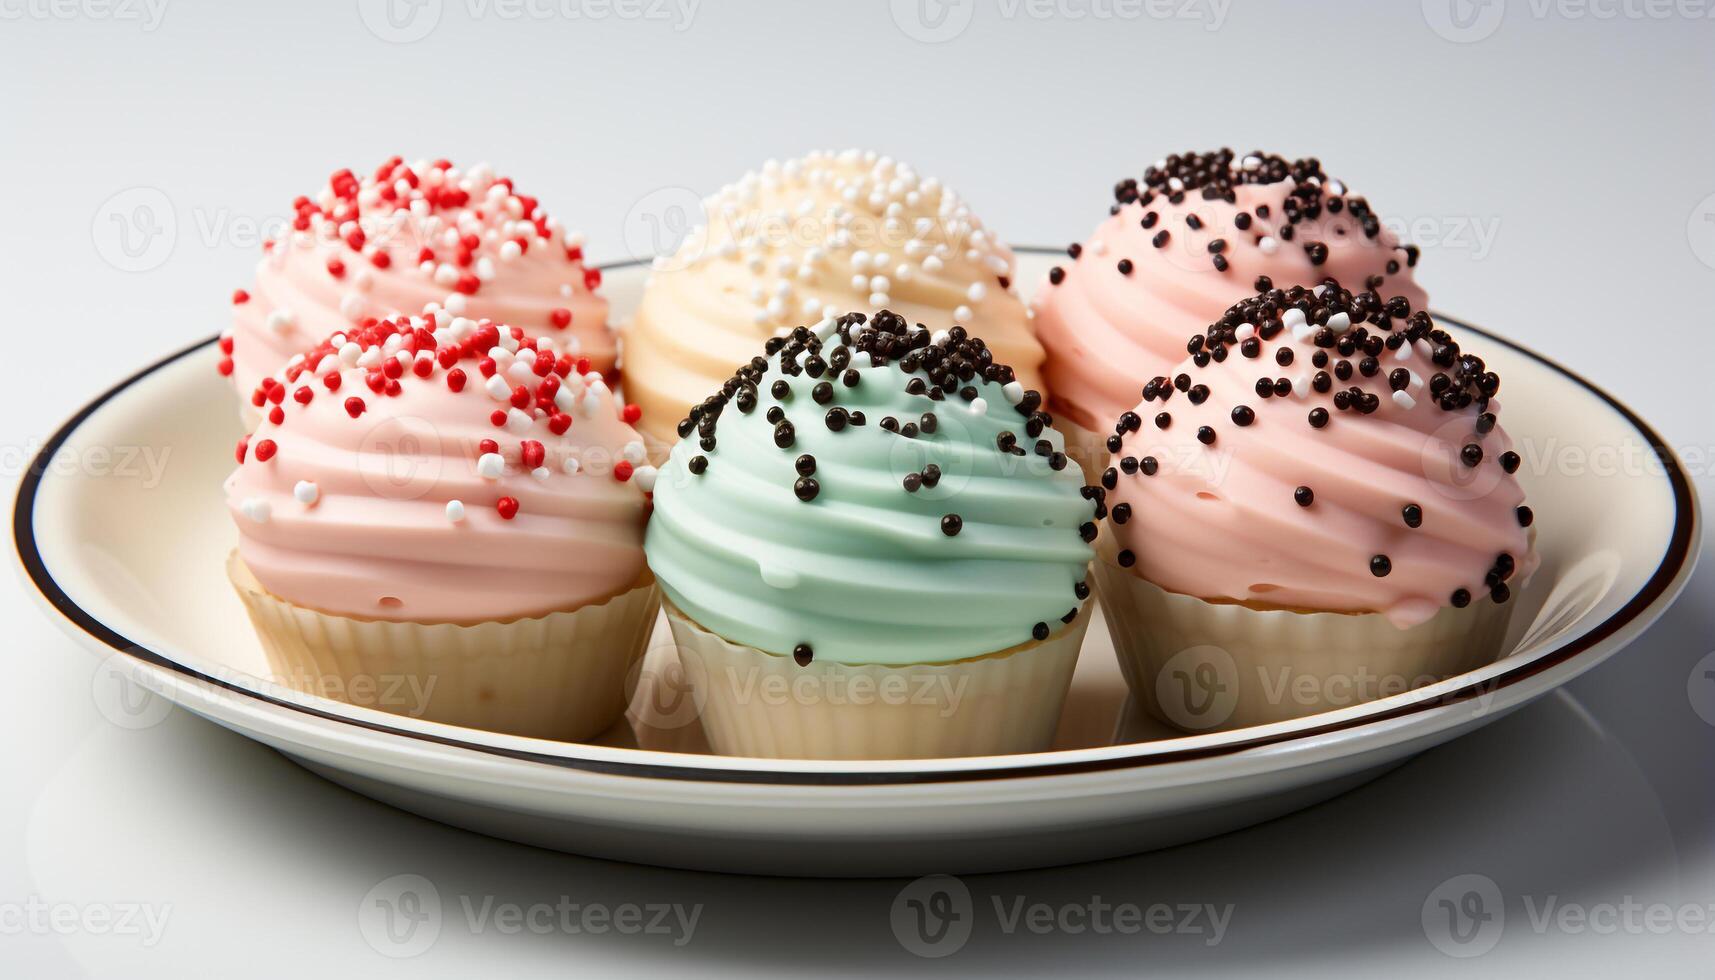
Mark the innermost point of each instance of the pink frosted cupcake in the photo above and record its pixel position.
(1314, 509)
(451, 511)
(406, 239)
(1179, 249)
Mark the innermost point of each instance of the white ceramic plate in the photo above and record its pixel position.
(133, 568)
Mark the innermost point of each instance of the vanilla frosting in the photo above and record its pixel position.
(1179, 250)
(1330, 453)
(406, 239)
(437, 469)
(811, 238)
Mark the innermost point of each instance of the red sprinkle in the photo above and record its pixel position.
(622, 470)
(304, 394)
(533, 453)
(498, 418)
(225, 365)
(265, 450)
(331, 381)
(336, 268)
(240, 297)
(455, 379)
(488, 446)
(508, 508)
(560, 317)
(631, 413)
(354, 406)
(592, 278)
(559, 422)
(243, 447)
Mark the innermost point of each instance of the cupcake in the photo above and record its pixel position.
(872, 546)
(1316, 508)
(453, 512)
(406, 239)
(1175, 253)
(807, 240)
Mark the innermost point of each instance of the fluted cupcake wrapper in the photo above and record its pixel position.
(1211, 666)
(561, 676)
(763, 705)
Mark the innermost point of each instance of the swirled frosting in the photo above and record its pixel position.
(414, 238)
(1322, 451)
(1184, 246)
(868, 493)
(809, 239)
(437, 469)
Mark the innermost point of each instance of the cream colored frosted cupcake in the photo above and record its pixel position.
(873, 547)
(447, 516)
(813, 238)
(1315, 509)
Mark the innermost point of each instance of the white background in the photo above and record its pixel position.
(1554, 158)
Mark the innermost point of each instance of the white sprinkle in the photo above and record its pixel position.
(570, 465)
(306, 493)
(256, 509)
(497, 389)
(490, 466)
(1014, 392)
(541, 473)
(645, 477)
(517, 422)
(976, 293)
(1267, 245)
(281, 321)
(633, 452)
(455, 511)
(1404, 352)
(962, 313)
(979, 406)
(1293, 318)
(1244, 332)
(1404, 400)
(1339, 323)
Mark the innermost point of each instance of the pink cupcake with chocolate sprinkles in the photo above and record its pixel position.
(453, 503)
(409, 238)
(1315, 508)
(1180, 247)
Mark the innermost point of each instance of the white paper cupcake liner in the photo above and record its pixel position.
(1209, 666)
(763, 705)
(561, 676)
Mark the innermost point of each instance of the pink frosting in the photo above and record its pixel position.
(409, 238)
(367, 491)
(1223, 521)
(1106, 332)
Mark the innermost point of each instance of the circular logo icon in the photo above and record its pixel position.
(932, 916)
(401, 916)
(125, 693)
(1442, 458)
(1464, 21)
(135, 230)
(659, 693)
(1700, 687)
(400, 21)
(1700, 231)
(400, 458)
(1198, 688)
(658, 225)
(933, 21)
(1465, 916)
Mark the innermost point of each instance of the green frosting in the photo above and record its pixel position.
(865, 571)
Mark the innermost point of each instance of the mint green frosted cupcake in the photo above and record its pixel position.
(873, 546)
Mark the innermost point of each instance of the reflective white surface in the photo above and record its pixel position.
(1576, 147)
